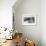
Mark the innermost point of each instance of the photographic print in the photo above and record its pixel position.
(28, 20)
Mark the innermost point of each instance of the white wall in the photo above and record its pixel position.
(6, 13)
(38, 31)
(43, 22)
(29, 7)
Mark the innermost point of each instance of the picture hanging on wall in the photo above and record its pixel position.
(28, 19)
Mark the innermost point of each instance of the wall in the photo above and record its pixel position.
(6, 13)
(29, 7)
(43, 22)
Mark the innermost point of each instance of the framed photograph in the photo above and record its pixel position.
(28, 19)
